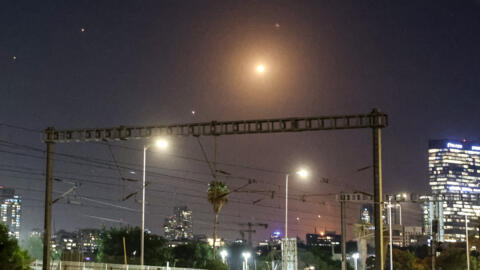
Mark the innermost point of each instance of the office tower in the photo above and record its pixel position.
(10, 210)
(454, 170)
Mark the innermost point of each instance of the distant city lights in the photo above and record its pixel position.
(454, 145)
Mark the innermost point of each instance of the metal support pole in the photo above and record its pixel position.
(344, 236)
(286, 206)
(48, 202)
(377, 192)
(390, 231)
(142, 235)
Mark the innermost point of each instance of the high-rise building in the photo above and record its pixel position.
(453, 169)
(366, 214)
(179, 226)
(10, 210)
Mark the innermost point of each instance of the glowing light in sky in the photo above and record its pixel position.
(260, 69)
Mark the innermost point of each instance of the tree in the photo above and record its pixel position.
(192, 255)
(454, 258)
(11, 256)
(34, 247)
(404, 259)
(217, 196)
(111, 247)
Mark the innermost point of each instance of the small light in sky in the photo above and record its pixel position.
(82, 30)
(298, 218)
(14, 57)
(319, 216)
(193, 112)
(260, 68)
(277, 25)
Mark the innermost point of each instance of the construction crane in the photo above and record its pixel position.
(250, 230)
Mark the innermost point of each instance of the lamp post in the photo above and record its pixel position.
(355, 257)
(162, 144)
(390, 231)
(246, 255)
(303, 174)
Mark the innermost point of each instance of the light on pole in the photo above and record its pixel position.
(246, 256)
(355, 257)
(224, 255)
(303, 174)
(162, 144)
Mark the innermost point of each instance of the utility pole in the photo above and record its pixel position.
(48, 202)
(344, 245)
(377, 188)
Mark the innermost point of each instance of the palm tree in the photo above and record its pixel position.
(217, 195)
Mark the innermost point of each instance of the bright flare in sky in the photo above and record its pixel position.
(260, 68)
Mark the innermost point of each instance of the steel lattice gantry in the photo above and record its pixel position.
(374, 120)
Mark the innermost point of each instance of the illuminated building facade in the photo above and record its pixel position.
(10, 210)
(326, 239)
(453, 169)
(179, 226)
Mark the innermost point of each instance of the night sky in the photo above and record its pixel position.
(82, 64)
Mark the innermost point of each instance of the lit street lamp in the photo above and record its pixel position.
(246, 256)
(303, 174)
(355, 257)
(162, 144)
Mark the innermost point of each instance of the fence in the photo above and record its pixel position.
(64, 265)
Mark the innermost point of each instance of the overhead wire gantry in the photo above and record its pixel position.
(374, 120)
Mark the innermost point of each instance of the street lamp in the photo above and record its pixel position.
(224, 255)
(303, 174)
(355, 257)
(390, 231)
(246, 256)
(162, 144)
